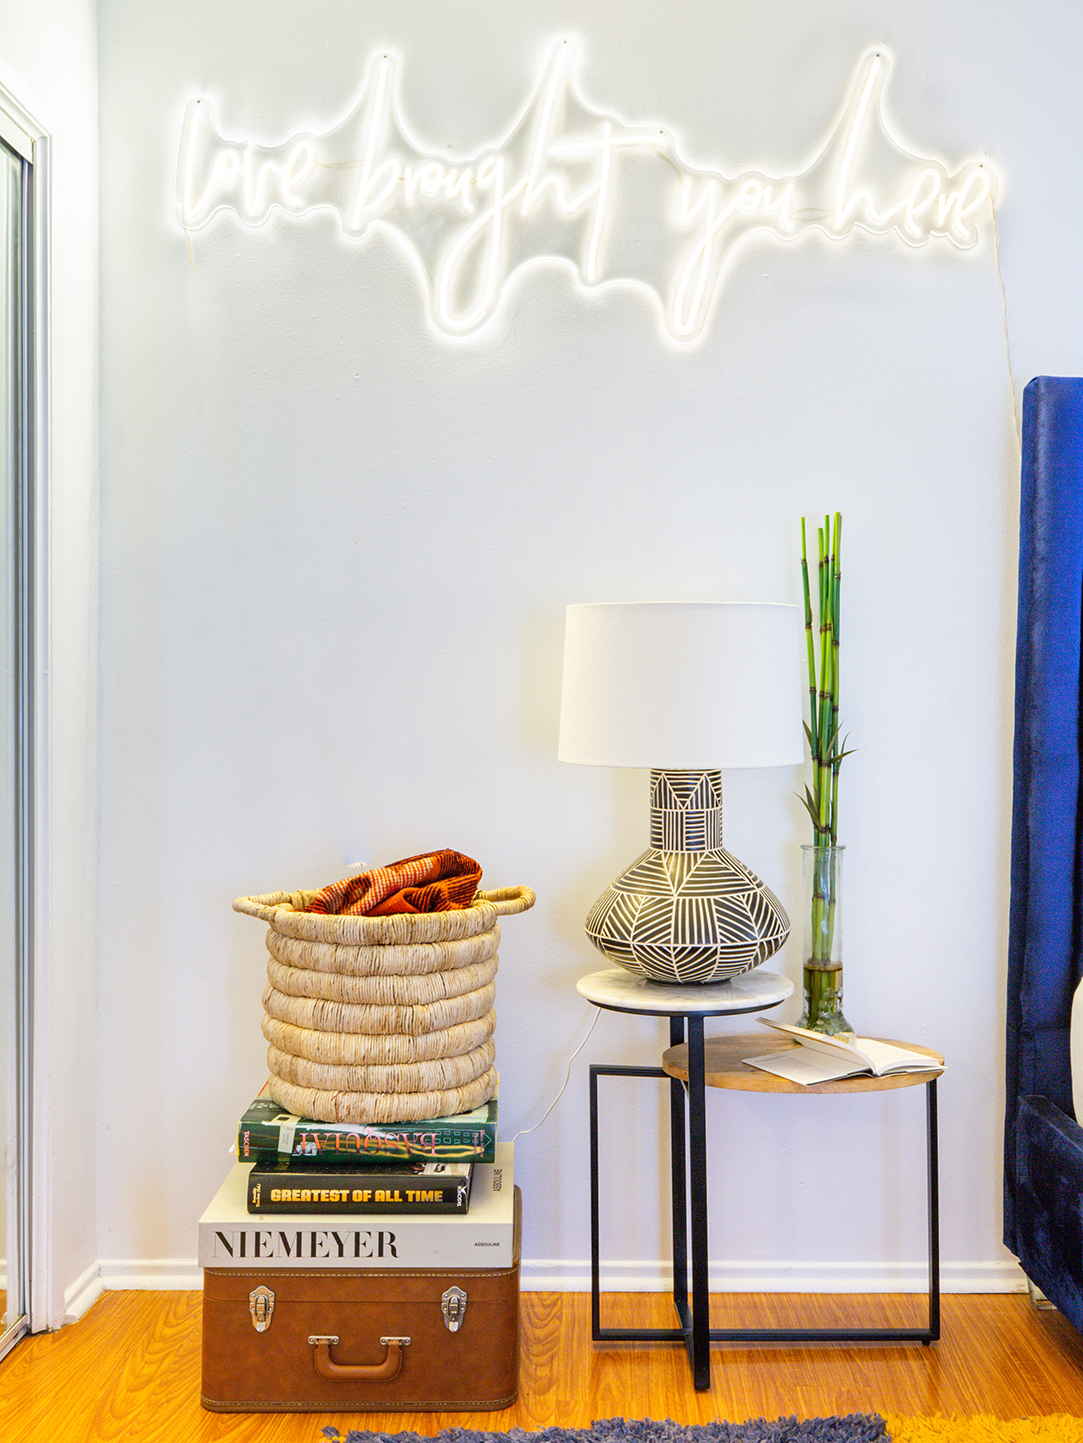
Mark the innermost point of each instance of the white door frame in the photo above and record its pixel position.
(23, 118)
(64, 1275)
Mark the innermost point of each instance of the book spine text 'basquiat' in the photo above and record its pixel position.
(265, 1131)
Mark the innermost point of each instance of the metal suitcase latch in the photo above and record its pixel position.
(453, 1307)
(261, 1304)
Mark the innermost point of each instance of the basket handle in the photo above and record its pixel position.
(508, 900)
(269, 903)
(326, 1366)
(505, 900)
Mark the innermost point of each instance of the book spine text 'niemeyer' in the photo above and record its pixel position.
(237, 1245)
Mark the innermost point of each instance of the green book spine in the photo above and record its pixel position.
(266, 1129)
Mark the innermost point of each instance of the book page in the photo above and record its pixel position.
(801, 1064)
(839, 1047)
(877, 1057)
(845, 1052)
(885, 1057)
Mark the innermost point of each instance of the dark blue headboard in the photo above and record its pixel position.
(1043, 1159)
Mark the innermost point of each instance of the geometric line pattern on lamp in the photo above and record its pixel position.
(687, 912)
(686, 811)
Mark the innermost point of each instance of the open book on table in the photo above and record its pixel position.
(826, 1059)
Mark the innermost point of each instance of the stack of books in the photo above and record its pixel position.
(433, 1194)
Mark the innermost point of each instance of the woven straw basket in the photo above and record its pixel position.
(381, 1019)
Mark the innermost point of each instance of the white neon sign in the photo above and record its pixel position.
(568, 185)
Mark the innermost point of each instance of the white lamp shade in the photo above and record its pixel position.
(682, 685)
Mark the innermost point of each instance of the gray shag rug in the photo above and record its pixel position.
(857, 1428)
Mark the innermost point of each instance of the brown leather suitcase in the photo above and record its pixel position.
(307, 1340)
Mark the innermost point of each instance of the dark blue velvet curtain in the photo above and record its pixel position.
(1043, 1159)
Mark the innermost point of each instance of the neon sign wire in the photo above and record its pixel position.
(568, 185)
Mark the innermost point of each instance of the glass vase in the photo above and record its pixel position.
(822, 956)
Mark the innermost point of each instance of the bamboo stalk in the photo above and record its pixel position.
(824, 674)
(835, 687)
(810, 645)
(827, 751)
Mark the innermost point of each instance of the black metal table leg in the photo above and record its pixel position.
(595, 1289)
(700, 1351)
(597, 1332)
(679, 1183)
(934, 1210)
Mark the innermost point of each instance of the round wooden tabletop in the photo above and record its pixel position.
(724, 1067)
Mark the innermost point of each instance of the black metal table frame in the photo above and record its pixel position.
(689, 1193)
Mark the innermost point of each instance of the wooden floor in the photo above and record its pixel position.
(129, 1370)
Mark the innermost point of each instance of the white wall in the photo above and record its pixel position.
(336, 553)
(48, 63)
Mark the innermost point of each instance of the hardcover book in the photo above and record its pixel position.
(820, 1058)
(292, 1185)
(232, 1237)
(267, 1128)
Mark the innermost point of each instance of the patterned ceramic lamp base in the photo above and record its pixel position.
(687, 911)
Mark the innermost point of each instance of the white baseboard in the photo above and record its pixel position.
(84, 1291)
(766, 1277)
(152, 1273)
(559, 1276)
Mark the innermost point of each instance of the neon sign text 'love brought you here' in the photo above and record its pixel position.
(568, 185)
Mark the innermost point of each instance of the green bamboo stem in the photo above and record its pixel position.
(822, 800)
(810, 645)
(824, 895)
(824, 677)
(836, 609)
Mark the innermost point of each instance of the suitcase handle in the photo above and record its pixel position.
(326, 1366)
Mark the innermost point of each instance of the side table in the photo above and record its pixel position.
(693, 1066)
(620, 991)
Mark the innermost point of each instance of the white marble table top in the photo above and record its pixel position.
(624, 991)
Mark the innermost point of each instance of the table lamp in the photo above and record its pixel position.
(684, 689)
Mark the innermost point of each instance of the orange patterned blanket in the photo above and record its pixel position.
(431, 882)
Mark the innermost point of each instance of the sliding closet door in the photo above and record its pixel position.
(15, 180)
